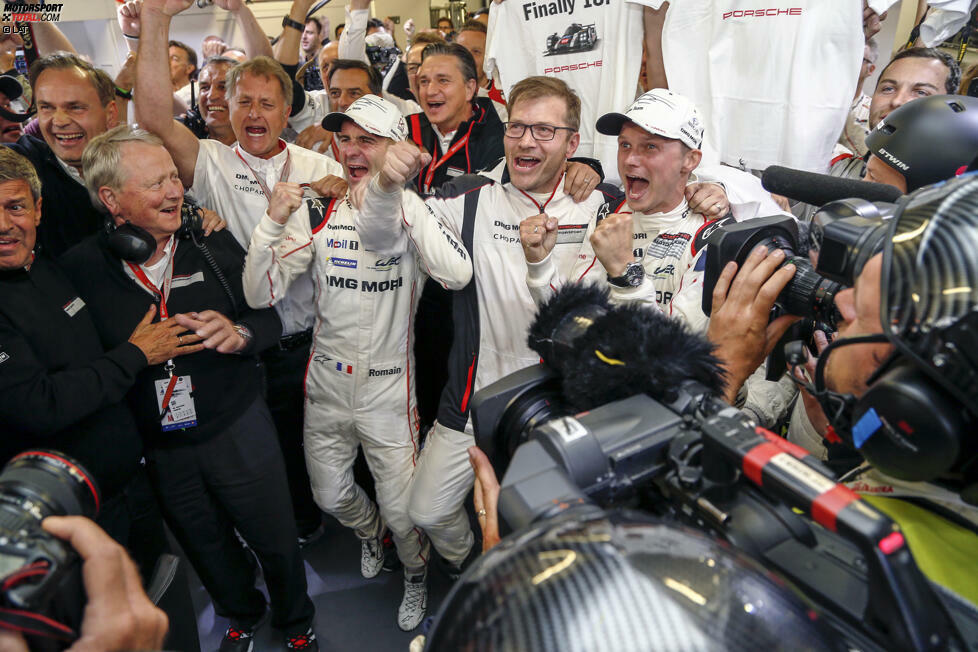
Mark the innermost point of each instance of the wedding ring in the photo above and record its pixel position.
(179, 339)
(536, 228)
(481, 513)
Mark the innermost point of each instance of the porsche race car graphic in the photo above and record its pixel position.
(576, 38)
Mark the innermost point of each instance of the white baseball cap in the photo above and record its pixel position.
(374, 114)
(659, 112)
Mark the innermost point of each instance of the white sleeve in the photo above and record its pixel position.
(542, 279)
(353, 39)
(277, 255)
(313, 111)
(746, 195)
(377, 220)
(441, 252)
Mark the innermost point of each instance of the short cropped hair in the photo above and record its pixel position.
(465, 61)
(374, 81)
(319, 23)
(261, 67)
(428, 38)
(219, 59)
(191, 54)
(15, 167)
(473, 26)
(102, 83)
(953, 69)
(102, 159)
(533, 88)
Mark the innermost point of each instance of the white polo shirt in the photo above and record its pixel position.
(229, 181)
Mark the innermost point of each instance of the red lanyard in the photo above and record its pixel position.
(148, 284)
(552, 193)
(462, 142)
(286, 169)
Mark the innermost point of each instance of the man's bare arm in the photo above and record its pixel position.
(256, 42)
(153, 93)
(287, 47)
(49, 38)
(655, 69)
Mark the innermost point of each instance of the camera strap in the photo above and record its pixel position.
(33, 624)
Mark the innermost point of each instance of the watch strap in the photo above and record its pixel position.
(294, 24)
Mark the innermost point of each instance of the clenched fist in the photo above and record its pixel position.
(402, 162)
(538, 235)
(612, 242)
(286, 199)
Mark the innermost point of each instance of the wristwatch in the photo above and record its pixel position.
(244, 333)
(632, 278)
(294, 24)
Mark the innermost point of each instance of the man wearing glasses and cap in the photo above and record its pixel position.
(360, 378)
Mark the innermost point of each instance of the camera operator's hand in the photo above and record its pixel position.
(286, 199)
(707, 199)
(742, 305)
(485, 497)
(538, 235)
(215, 329)
(119, 615)
(612, 242)
(580, 180)
(163, 340)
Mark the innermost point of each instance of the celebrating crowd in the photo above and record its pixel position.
(225, 275)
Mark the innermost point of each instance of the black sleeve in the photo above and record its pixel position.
(264, 323)
(36, 400)
(592, 163)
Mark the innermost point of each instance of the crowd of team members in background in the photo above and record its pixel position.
(380, 225)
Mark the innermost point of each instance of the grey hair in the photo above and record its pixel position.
(102, 159)
(14, 167)
(874, 50)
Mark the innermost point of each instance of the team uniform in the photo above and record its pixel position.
(491, 315)
(763, 108)
(360, 375)
(600, 59)
(667, 244)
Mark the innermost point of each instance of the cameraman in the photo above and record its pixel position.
(742, 301)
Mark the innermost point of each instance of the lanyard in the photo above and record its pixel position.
(286, 170)
(543, 207)
(164, 314)
(462, 142)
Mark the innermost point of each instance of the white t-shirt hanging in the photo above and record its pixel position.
(773, 79)
(593, 45)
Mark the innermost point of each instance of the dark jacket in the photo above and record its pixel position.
(484, 147)
(224, 385)
(58, 387)
(67, 214)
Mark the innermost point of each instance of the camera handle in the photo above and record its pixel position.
(900, 595)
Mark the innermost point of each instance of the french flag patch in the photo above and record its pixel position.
(348, 368)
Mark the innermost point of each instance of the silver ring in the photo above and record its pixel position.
(717, 205)
(536, 228)
(179, 340)
(481, 513)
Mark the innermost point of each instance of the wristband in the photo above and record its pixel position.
(294, 24)
(126, 95)
(130, 37)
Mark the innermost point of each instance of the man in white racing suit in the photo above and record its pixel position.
(493, 313)
(648, 239)
(359, 379)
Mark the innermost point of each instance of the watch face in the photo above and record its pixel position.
(634, 272)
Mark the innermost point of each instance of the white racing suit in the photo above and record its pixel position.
(359, 379)
(668, 246)
(491, 315)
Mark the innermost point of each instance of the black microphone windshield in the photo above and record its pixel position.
(817, 189)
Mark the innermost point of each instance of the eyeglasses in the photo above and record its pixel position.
(539, 131)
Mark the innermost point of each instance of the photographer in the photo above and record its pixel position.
(942, 533)
(119, 616)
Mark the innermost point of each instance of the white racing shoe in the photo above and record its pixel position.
(414, 604)
(371, 556)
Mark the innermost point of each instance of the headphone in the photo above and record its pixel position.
(135, 244)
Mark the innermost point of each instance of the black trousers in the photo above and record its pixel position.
(133, 518)
(236, 480)
(285, 377)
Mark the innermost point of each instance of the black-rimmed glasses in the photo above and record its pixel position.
(538, 131)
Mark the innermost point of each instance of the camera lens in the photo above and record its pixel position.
(809, 294)
(41, 483)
